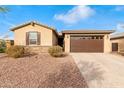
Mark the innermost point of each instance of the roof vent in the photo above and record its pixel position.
(32, 23)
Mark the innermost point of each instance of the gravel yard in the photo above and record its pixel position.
(39, 71)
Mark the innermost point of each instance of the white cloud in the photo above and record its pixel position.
(76, 14)
(119, 29)
(120, 26)
(119, 8)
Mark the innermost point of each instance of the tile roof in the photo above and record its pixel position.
(31, 22)
(88, 31)
(117, 35)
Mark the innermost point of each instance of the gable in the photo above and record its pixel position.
(45, 34)
(33, 26)
(31, 23)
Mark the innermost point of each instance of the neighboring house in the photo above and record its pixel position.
(9, 43)
(117, 41)
(6, 43)
(33, 35)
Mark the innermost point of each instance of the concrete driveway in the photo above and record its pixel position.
(100, 69)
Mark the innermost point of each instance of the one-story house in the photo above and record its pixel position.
(36, 35)
(117, 41)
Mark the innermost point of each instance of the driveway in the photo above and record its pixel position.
(101, 69)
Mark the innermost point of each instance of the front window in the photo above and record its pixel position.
(33, 38)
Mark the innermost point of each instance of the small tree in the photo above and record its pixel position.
(2, 46)
(2, 43)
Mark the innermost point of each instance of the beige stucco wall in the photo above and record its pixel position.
(67, 43)
(120, 42)
(55, 39)
(46, 35)
(107, 43)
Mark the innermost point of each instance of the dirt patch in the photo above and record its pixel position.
(40, 71)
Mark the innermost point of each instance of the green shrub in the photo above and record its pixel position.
(2, 50)
(2, 43)
(15, 51)
(56, 51)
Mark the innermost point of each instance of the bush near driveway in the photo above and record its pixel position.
(15, 51)
(56, 51)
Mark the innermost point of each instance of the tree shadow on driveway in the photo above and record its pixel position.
(92, 72)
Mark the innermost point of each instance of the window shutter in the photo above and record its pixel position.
(38, 38)
(27, 38)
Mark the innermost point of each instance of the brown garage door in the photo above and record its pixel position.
(87, 44)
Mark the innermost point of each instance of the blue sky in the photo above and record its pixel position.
(64, 17)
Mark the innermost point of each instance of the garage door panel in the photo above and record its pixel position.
(87, 45)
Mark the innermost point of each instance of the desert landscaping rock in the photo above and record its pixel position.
(39, 71)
